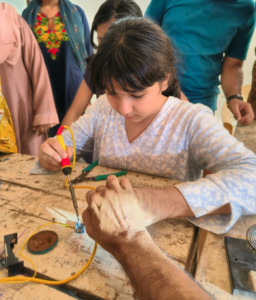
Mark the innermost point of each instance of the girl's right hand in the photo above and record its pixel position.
(51, 154)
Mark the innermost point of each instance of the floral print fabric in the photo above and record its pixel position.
(182, 140)
(51, 32)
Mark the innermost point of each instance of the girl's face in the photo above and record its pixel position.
(136, 107)
(102, 29)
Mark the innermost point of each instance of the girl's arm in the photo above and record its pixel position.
(161, 204)
(79, 105)
(230, 189)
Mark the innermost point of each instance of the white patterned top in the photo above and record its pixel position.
(182, 140)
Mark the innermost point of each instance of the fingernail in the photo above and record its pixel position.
(64, 155)
(59, 159)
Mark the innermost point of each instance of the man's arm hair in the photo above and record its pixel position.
(155, 276)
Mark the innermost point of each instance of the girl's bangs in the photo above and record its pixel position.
(130, 80)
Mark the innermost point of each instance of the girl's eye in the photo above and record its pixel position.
(111, 94)
(137, 96)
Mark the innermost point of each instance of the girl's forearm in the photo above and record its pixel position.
(160, 204)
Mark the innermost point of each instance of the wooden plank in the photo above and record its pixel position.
(16, 170)
(31, 291)
(25, 208)
(212, 270)
(247, 135)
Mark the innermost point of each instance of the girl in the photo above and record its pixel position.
(109, 12)
(140, 125)
(25, 86)
(63, 34)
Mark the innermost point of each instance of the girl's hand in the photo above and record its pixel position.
(51, 154)
(42, 128)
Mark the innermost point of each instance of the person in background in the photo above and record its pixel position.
(141, 125)
(63, 34)
(213, 38)
(25, 83)
(110, 11)
(115, 221)
(252, 94)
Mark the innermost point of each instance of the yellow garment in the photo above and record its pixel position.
(7, 134)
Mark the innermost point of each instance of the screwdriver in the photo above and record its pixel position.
(67, 170)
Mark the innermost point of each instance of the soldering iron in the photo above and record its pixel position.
(67, 169)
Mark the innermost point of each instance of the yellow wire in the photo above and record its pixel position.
(20, 279)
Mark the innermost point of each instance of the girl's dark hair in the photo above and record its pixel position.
(114, 9)
(136, 53)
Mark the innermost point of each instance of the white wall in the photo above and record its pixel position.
(91, 6)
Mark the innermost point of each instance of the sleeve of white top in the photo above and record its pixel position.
(234, 174)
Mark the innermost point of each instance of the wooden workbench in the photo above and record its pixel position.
(212, 270)
(29, 201)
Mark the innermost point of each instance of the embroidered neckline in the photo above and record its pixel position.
(51, 32)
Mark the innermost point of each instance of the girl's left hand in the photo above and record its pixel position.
(42, 128)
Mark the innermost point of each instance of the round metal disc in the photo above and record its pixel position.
(42, 242)
(251, 236)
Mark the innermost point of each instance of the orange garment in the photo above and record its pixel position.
(7, 134)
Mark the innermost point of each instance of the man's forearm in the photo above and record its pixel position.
(232, 76)
(153, 275)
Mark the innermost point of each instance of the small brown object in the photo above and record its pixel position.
(42, 242)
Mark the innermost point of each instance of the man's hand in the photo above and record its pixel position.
(113, 217)
(242, 111)
(42, 128)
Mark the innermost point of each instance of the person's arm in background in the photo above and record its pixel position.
(87, 43)
(79, 105)
(45, 115)
(183, 97)
(232, 73)
(231, 82)
(114, 220)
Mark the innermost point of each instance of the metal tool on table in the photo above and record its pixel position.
(11, 263)
(241, 255)
(67, 170)
(86, 170)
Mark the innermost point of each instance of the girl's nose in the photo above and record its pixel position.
(124, 107)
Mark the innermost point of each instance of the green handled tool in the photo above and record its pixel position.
(90, 167)
(82, 177)
(104, 177)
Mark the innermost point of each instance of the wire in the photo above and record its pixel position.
(20, 279)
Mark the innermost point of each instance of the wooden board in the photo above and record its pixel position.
(26, 204)
(31, 291)
(247, 135)
(212, 270)
(16, 170)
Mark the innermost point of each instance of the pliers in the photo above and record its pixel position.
(86, 170)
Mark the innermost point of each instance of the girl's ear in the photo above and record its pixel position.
(165, 83)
